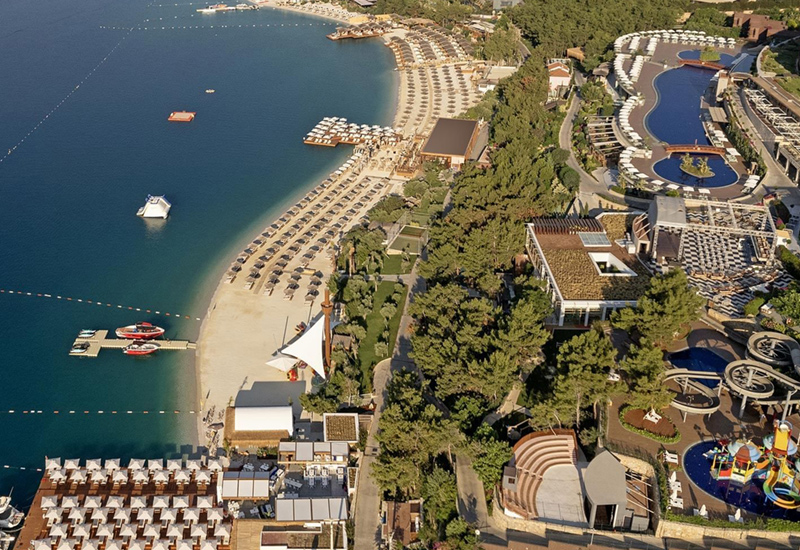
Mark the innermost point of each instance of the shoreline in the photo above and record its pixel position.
(203, 392)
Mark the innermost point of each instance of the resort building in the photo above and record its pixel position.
(498, 5)
(144, 504)
(559, 77)
(757, 27)
(727, 249)
(451, 142)
(401, 522)
(549, 480)
(589, 266)
(264, 415)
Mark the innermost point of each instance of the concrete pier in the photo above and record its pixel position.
(100, 340)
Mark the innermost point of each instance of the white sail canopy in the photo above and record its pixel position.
(308, 348)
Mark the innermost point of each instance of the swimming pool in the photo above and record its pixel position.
(702, 359)
(749, 497)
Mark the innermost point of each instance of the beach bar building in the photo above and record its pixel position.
(451, 142)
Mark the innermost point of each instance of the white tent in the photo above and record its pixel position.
(140, 476)
(308, 348)
(282, 362)
(161, 476)
(264, 419)
(113, 545)
(203, 476)
(72, 463)
(57, 530)
(191, 514)
(77, 514)
(81, 530)
(194, 464)
(183, 476)
(136, 545)
(184, 544)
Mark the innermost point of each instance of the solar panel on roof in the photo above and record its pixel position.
(594, 239)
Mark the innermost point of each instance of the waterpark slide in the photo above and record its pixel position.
(790, 503)
(754, 379)
(702, 400)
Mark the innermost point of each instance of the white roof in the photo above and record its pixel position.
(308, 347)
(308, 509)
(264, 419)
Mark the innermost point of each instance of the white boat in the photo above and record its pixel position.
(210, 91)
(10, 517)
(155, 207)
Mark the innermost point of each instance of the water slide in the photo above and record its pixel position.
(783, 496)
(694, 397)
(755, 380)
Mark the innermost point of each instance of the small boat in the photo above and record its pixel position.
(140, 348)
(10, 517)
(210, 91)
(79, 348)
(86, 333)
(140, 331)
(155, 207)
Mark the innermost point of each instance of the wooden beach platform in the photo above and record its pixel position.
(100, 341)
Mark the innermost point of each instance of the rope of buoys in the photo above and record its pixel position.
(85, 412)
(60, 103)
(97, 302)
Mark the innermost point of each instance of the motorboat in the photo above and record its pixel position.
(155, 207)
(10, 518)
(86, 333)
(140, 348)
(81, 347)
(210, 91)
(140, 331)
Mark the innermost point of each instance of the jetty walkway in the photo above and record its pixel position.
(100, 341)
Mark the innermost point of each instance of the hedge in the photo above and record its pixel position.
(645, 433)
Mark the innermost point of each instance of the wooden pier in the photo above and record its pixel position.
(100, 341)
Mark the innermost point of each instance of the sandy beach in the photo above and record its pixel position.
(249, 319)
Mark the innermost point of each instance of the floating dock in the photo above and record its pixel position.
(181, 116)
(100, 341)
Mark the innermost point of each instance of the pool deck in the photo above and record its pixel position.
(696, 428)
(668, 54)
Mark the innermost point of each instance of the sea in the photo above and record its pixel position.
(85, 92)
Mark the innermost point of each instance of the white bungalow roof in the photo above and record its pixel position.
(261, 485)
(264, 419)
(308, 348)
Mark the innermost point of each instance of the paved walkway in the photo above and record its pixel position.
(471, 502)
(368, 497)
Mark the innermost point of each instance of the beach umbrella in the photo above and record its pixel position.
(80, 531)
(204, 501)
(203, 476)
(181, 501)
(214, 514)
(140, 476)
(94, 464)
(207, 545)
(155, 464)
(151, 531)
(90, 544)
(51, 464)
(135, 545)
(184, 544)
(191, 514)
(99, 476)
(122, 514)
(105, 530)
(183, 476)
(214, 465)
(49, 501)
(57, 530)
(174, 464)
(54, 513)
(69, 502)
(64, 545)
(136, 464)
(145, 514)
(42, 544)
(222, 530)
(78, 476)
(161, 476)
(112, 464)
(160, 544)
(199, 530)
(175, 531)
(113, 545)
(115, 501)
(100, 515)
(194, 464)
(72, 463)
(77, 514)
(120, 476)
(127, 530)
(161, 501)
(93, 501)
(138, 502)
(168, 515)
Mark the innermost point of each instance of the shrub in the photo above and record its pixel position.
(752, 307)
(791, 263)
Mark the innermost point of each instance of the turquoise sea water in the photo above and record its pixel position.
(70, 190)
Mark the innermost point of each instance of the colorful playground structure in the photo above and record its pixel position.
(775, 463)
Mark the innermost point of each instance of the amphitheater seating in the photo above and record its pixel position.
(534, 454)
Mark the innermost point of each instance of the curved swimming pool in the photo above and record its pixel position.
(676, 119)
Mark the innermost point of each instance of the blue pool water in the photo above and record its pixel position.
(749, 497)
(670, 169)
(701, 359)
(676, 119)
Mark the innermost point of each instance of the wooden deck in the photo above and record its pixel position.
(100, 341)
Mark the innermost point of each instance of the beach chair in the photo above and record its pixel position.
(676, 502)
(670, 457)
(653, 417)
(702, 512)
(737, 517)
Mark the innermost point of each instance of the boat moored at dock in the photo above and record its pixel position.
(155, 207)
(10, 518)
(140, 331)
(140, 348)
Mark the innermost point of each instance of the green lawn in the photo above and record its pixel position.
(393, 265)
(366, 349)
(412, 244)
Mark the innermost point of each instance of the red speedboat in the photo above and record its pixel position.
(140, 331)
(140, 348)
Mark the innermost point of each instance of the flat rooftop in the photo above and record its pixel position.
(450, 137)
